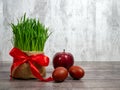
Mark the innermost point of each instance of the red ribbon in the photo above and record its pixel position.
(21, 57)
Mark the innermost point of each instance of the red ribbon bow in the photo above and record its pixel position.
(21, 57)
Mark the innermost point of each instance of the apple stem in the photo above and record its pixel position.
(63, 50)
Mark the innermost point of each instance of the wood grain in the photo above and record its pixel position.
(98, 76)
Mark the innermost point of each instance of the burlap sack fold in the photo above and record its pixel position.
(24, 72)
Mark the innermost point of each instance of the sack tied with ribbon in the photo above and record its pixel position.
(32, 66)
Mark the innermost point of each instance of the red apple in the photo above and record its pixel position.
(63, 59)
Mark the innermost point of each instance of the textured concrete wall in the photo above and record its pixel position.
(89, 29)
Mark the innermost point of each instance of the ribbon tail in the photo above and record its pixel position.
(37, 74)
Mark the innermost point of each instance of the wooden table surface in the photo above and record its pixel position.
(98, 76)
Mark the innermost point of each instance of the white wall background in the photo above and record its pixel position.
(89, 29)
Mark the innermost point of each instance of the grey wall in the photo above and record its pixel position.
(89, 29)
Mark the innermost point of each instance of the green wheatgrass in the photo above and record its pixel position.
(29, 34)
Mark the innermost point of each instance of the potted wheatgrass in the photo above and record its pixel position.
(29, 35)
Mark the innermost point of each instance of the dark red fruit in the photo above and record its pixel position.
(63, 59)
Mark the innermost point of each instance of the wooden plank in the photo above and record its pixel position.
(98, 76)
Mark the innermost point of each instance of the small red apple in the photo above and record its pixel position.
(63, 59)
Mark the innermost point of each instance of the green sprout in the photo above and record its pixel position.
(29, 34)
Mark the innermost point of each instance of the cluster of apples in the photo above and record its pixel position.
(63, 66)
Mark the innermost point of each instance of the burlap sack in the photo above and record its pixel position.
(24, 72)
